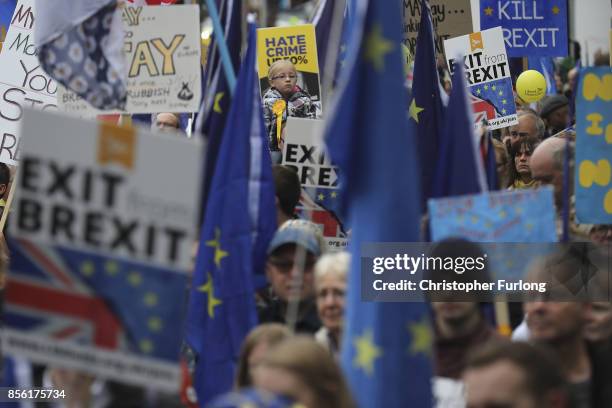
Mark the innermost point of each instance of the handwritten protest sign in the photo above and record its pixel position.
(101, 248)
(594, 146)
(297, 44)
(451, 18)
(163, 53)
(488, 76)
(513, 216)
(23, 83)
(318, 176)
(534, 28)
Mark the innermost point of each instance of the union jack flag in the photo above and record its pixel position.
(64, 295)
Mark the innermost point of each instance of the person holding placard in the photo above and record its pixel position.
(284, 98)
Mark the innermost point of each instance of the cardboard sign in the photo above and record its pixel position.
(297, 44)
(104, 240)
(163, 52)
(488, 76)
(513, 216)
(303, 152)
(23, 83)
(318, 176)
(594, 146)
(450, 18)
(531, 28)
(118, 196)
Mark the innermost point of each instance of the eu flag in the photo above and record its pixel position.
(459, 167)
(212, 117)
(385, 345)
(426, 109)
(240, 221)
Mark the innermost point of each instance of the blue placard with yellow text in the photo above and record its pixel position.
(594, 146)
(534, 28)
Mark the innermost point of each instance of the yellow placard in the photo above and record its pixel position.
(296, 43)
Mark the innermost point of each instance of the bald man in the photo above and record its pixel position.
(546, 165)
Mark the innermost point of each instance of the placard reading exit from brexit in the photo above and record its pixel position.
(531, 27)
(488, 76)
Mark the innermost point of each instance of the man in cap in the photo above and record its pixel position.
(292, 253)
(555, 114)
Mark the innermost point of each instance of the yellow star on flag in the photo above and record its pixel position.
(87, 268)
(216, 105)
(321, 197)
(111, 268)
(421, 337)
(494, 87)
(146, 345)
(504, 101)
(154, 323)
(502, 214)
(556, 10)
(376, 47)
(215, 243)
(500, 93)
(478, 91)
(212, 300)
(333, 194)
(415, 110)
(504, 111)
(150, 299)
(134, 279)
(486, 87)
(366, 352)
(488, 11)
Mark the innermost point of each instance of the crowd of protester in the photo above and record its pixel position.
(560, 355)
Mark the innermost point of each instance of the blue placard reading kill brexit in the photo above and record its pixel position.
(531, 27)
(594, 146)
(509, 216)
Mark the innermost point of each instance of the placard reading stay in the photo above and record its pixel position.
(163, 51)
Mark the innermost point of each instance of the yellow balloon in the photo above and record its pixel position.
(531, 86)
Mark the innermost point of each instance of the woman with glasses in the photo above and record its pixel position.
(284, 98)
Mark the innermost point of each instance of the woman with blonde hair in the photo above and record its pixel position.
(301, 369)
(284, 98)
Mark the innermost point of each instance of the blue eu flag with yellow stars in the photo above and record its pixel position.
(240, 221)
(426, 108)
(459, 168)
(386, 346)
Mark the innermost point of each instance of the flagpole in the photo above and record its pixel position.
(225, 58)
(331, 57)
